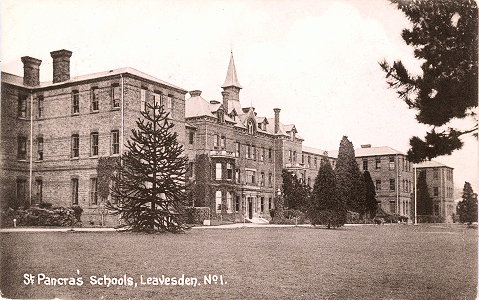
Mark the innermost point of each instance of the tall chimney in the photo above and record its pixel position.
(61, 65)
(225, 100)
(31, 71)
(195, 93)
(276, 119)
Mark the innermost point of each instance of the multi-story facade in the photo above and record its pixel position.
(440, 183)
(53, 134)
(392, 175)
(237, 157)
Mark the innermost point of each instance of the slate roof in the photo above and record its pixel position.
(18, 80)
(371, 151)
(313, 150)
(431, 164)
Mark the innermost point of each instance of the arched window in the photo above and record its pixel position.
(250, 126)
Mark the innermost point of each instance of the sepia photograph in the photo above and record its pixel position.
(228, 149)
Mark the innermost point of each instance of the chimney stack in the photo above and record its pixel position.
(31, 71)
(195, 93)
(366, 146)
(276, 119)
(61, 65)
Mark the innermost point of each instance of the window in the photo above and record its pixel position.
(262, 204)
(115, 95)
(39, 148)
(392, 164)
(248, 151)
(237, 176)
(378, 185)
(157, 99)
(94, 99)
(39, 191)
(223, 142)
(218, 201)
(302, 158)
(94, 144)
(270, 154)
(316, 162)
(229, 172)
(294, 156)
(436, 173)
(261, 154)
(218, 171)
(40, 107)
(309, 181)
(75, 145)
(262, 179)
(143, 100)
(269, 203)
(378, 163)
(290, 158)
(21, 191)
(115, 142)
(250, 126)
(216, 141)
(365, 164)
(250, 176)
(191, 169)
(75, 191)
(270, 179)
(436, 191)
(75, 102)
(237, 149)
(309, 160)
(229, 201)
(22, 148)
(22, 106)
(221, 116)
(170, 102)
(392, 184)
(192, 137)
(254, 152)
(93, 191)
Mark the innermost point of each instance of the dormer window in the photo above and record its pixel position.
(221, 116)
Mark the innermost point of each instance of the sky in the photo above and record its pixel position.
(316, 60)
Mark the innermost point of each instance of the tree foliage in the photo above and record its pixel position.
(349, 178)
(326, 208)
(467, 208)
(444, 37)
(150, 180)
(371, 204)
(295, 192)
(424, 200)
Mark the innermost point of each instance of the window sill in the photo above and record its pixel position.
(75, 114)
(74, 158)
(94, 156)
(38, 161)
(115, 108)
(94, 111)
(115, 155)
(21, 160)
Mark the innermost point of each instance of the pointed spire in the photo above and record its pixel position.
(231, 77)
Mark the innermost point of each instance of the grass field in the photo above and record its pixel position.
(357, 262)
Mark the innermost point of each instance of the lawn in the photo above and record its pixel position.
(354, 262)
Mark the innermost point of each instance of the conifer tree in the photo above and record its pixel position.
(149, 184)
(349, 179)
(467, 208)
(444, 37)
(296, 193)
(424, 200)
(326, 208)
(370, 195)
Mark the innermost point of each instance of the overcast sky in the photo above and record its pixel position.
(316, 60)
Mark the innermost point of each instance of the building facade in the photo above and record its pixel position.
(54, 134)
(440, 183)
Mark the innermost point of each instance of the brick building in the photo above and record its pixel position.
(440, 183)
(53, 134)
(392, 175)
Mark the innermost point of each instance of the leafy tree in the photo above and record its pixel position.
(444, 36)
(371, 203)
(349, 178)
(295, 192)
(326, 207)
(467, 208)
(150, 181)
(424, 200)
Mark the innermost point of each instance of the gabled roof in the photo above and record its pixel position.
(231, 77)
(13, 79)
(371, 151)
(236, 105)
(431, 164)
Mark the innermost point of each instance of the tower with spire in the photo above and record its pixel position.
(231, 88)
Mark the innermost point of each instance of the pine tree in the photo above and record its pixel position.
(326, 208)
(467, 208)
(349, 178)
(149, 184)
(424, 200)
(370, 195)
(444, 36)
